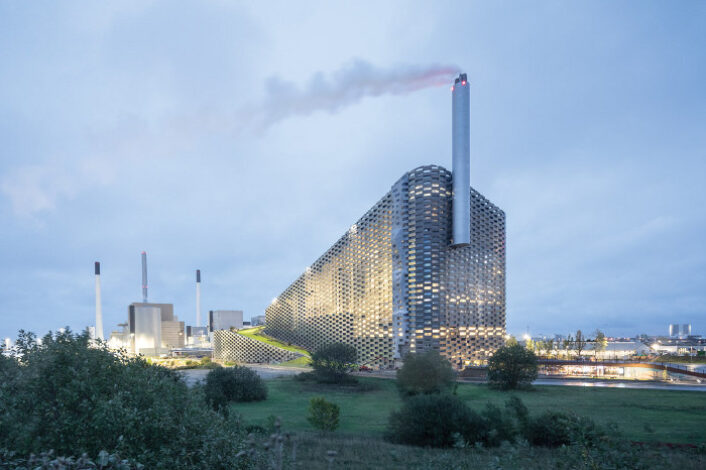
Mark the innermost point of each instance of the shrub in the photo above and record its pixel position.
(323, 415)
(74, 396)
(238, 383)
(425, 373)
(550, 429)
(554, 429)
(49, 461)
(515, 406)
(500, 427)
(333, 362)
(512, 367)
(435, 421)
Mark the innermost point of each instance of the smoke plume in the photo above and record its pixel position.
(345, 87)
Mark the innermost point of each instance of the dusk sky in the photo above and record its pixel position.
(244, 138)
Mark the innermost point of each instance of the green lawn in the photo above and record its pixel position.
(681, 359)
(298, 362)
(641, 415)
(257, 334)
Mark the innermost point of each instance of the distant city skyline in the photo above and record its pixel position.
(220, 137)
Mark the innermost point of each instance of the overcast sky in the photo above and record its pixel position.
(216, 135)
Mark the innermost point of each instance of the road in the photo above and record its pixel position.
(192, 376)
(621, 384)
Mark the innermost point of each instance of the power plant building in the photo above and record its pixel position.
(153, 328)
(423, 269)
(224, 320)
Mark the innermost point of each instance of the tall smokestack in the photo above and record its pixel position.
(461, 160)
(198, 297)
(144, 277)
(99, 311)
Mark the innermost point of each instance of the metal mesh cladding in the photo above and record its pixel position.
(393, 284)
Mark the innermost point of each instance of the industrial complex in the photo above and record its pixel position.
(152, 329)
(423, 269)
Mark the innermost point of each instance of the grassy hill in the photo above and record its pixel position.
(257, 334)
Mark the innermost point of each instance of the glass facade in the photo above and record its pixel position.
(393, 284)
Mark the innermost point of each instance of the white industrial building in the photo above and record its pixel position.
(224, 320)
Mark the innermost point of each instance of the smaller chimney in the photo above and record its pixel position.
(198, 297)
(99, 311)
(144, 277)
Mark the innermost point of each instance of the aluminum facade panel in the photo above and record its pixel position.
(393, 284)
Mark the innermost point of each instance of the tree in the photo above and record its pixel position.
(529, 344)
(333, 362)
(425, 373)
(550, 346)
(540, 346)
(72, 395)
(568, 343)
(579, 342)
(511, 340)
(323, 415)
(601, 343)
(512, 367)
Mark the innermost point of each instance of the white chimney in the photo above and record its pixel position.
(99, 311)
(144, 277)
(198, 297)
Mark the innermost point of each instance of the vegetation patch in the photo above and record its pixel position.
(73, 396)
(333, 363)
(368, 412)
(323, 415)
(233, 384)
(512, 367)
(425, 373)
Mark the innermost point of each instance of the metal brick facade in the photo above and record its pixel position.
(393, 284)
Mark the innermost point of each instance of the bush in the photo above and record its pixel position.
(554, 429)
(499, 426)
(74, 396)
(435, 421)
(550, 429)
(425, 373)
(323, 415)
(333, 362)
(49, 461)
(238, 383)
(512, 367)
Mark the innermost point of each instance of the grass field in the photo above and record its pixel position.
(641, 415)
(361, 452)
(681, 359)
